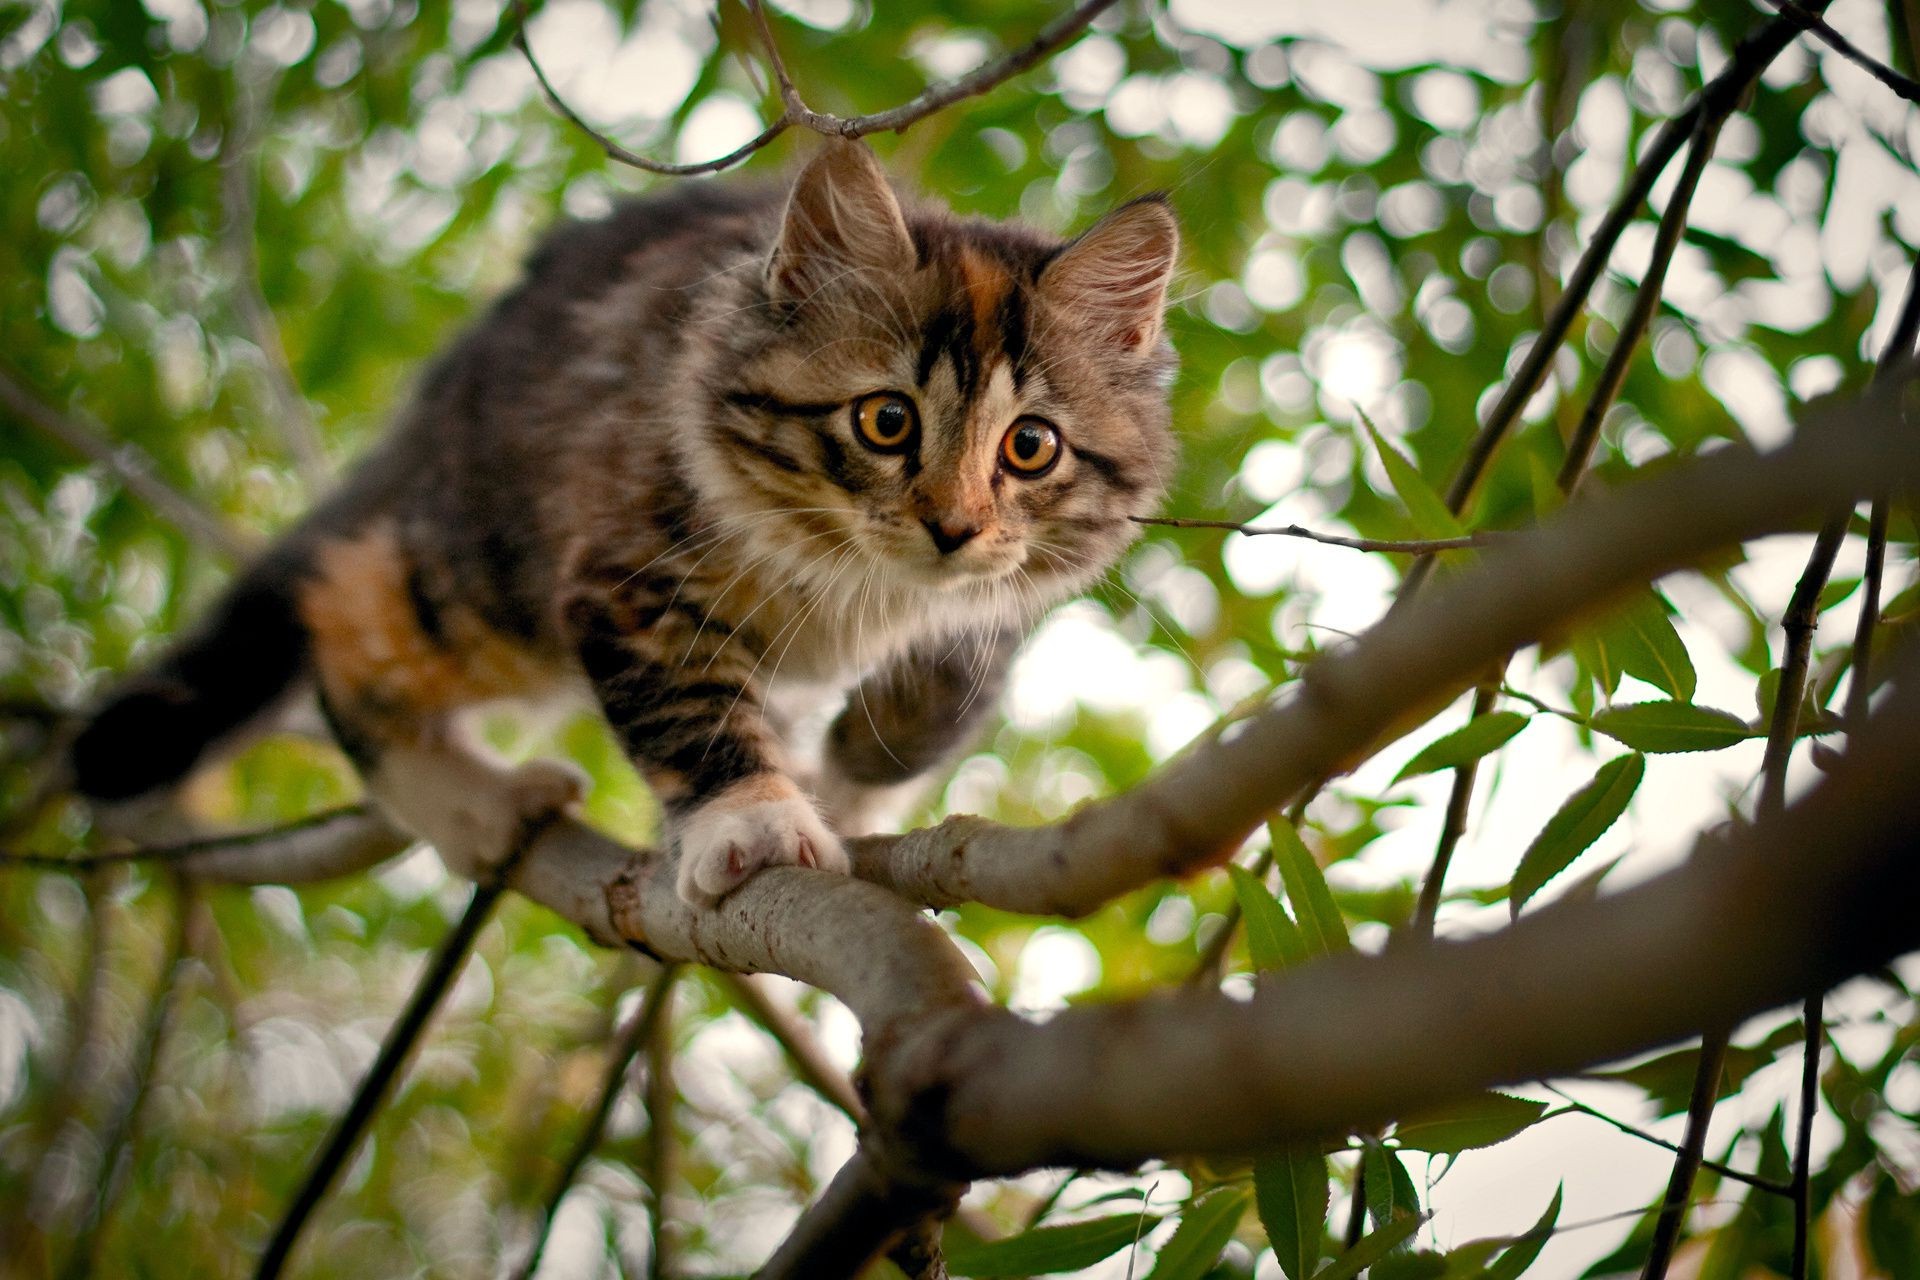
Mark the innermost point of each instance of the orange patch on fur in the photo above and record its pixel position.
(987, 284)
(370, 649)
(758, 789)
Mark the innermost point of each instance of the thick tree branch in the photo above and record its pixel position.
(1351, 700)
(795, 112)
(128, 464)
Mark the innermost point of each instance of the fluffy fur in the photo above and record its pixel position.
(646, 467)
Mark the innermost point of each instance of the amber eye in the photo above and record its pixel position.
(1030, 447)
(886, 421)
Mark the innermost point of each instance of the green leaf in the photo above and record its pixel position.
(1584, 818)
(1642, 639)
(1835, 591)
(1045, 1250)
(1468, 743)
(1893, 1229)
(1477, 1122)
(1291, 1191)
(1272, 936)
(1320, 921)
(1205, 1227)
(1429, 514)
(1671, 726)
(1513, 1264)
(1390, 1190)
(1371, 1249)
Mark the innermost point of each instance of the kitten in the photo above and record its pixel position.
(734, 457)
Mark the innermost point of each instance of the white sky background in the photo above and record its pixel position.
(1078, 658)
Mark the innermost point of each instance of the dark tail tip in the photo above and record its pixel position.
(156, 726)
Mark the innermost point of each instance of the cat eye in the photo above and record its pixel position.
(886, 421)
(1030, 447)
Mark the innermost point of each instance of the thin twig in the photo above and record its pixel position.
(1646, 301)
(1409, 546)
(659, 1158)
(339, 1147)
(120, 1137)
(322, 846)
(1673, 1205)
(131, 466)
(810, 1062)
(1724, 1170)
(1453, 825)
(292, 415)
(633, 1037)
(796, 113)
(1886, 75)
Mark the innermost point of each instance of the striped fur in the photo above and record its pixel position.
(643, 468)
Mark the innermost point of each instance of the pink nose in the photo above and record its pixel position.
(950, 536)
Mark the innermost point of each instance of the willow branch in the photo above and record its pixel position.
(1409, 546)
(326, 846)
(1886, 75)
(626, 1047)
(795, 112)
(120, 1137)
(293, 416)
(131, 466)
(657, 1169)
(809, 1061)
(1724, 1170)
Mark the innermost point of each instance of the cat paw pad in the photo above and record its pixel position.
(722, 844)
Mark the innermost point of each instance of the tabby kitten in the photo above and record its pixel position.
(735, 458)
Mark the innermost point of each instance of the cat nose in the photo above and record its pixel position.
(950, 537)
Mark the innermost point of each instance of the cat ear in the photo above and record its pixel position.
(842, 218)
(1113, 279)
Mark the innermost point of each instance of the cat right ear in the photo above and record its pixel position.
(1113, 279)
(842, 220)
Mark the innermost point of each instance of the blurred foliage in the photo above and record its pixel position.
(1379, 199)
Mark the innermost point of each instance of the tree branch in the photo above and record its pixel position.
(796, 113)
(626, 1047)
(131, 466)
(1724, 1170)
(809, 1061)
(326, 846)
(1418, 547)
(1902, 85)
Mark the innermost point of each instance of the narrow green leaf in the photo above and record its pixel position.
(1835, 591)
(1469, 742)
(1591, 650)
(1584, 818)
(1320, 921)
(1205, 1227)
(1643, 640)
(1477, 1122)
(1424, 507)
(1671, 726)
(1291, 1190)
(1371, 1249)
(1272, 936)
(1390, 1190)
(1045, 1250)
(1513, 1264)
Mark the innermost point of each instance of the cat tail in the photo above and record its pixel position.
(155, 726)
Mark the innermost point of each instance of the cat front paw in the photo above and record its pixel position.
(755, 824)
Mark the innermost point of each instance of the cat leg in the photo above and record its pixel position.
(392, 686)
(678, 688)
(902, 721)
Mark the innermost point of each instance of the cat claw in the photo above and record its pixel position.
(722, 845)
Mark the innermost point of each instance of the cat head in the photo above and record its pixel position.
(962, 401)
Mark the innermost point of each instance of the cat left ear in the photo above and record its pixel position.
(1114, 278)
(842, 219)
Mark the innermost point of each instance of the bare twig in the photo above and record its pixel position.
(130, 465)
(796, 113)
(1724, 1170)
(339, 1147)
(1418, 547)
(658, 1170)
(809, 1061)
(633, 1037)
(120, 1137)
(293, 416)
(324, 846)
(1453, 825)
(1902, 85)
